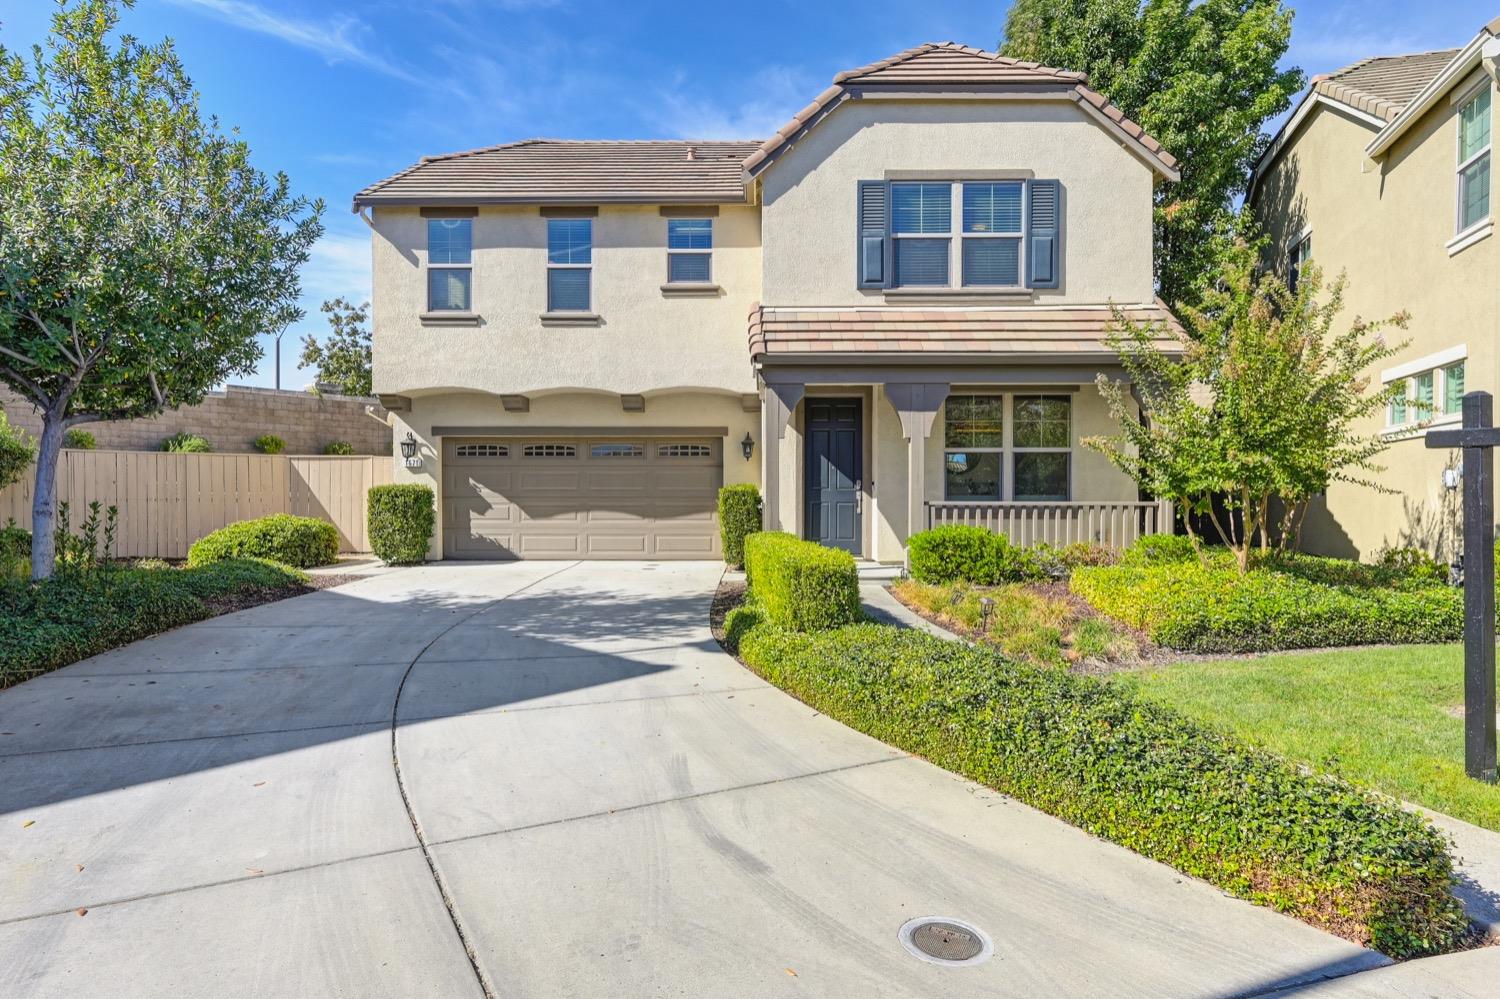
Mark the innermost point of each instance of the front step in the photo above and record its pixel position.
(878, 571)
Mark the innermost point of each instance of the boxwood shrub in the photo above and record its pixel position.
(76, 615)
(957, 553)
(297, 541)
(801, 585)
(1293, 604)
(401, 519)
(1159, 549)
(269, 444)
(1133, 771)
(187, 442)
(739, 516)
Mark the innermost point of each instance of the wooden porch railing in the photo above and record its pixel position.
(1115, 524)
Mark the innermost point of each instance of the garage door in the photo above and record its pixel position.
(581, 498)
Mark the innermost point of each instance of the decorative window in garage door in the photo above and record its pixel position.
(483, 451)
(617, 451)
(550, 451)
(684, 451)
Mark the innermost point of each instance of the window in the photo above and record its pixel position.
(690, 243)
(616, 451)
(483, 451)
(981, 244)
(973, 446)
(1043, 447)
(684, 451)
(550, 451)
(1426, 394)
(1453, 388)
(992, 234)
(922, 232)
(1296, 258)
(570, 254)
(1474, 160)
(450, 264)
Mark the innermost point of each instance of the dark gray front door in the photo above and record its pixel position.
(834, 450)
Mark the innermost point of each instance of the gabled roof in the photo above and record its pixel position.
(1484, 45)
(562, 171)
(948, 65)
(1383, 85)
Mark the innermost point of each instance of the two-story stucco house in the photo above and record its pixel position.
(1383, 173)
(888, 314)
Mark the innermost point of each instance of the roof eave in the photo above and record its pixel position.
(1465, 62)
(443, 201)
(1311, 99)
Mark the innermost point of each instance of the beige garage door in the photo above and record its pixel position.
(581, 498)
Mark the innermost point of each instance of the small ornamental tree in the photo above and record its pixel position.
(1263, 407)
(141, 254)
(344, 357)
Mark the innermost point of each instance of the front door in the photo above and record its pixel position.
(834, 449)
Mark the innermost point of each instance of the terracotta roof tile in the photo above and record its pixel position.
(1383, 85)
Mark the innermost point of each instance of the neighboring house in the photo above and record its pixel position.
(1383, 173)
(889, 314)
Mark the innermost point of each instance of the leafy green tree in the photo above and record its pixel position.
(1200, 76)
(1262, 410)
(16, 452)
(344, 358)
(140, 252)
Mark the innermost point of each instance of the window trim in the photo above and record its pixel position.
(1438, 365)
(468, 307)
(956, 237)
(1293, 265)
(1460, 229)
(708, 253)
(588, 308)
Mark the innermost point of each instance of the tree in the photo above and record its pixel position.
(140, 252)
(1262, 409)
(16, 452)
(343, 359)
(1200, 76)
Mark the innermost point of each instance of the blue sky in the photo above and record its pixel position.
(339, 93)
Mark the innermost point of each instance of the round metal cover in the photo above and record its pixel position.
(943, 940)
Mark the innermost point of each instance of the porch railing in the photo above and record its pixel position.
(1115, 524)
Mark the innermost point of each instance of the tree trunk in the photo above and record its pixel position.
(44, 499)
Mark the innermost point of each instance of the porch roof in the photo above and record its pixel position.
(778, 333)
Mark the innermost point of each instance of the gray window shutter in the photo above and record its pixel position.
(1044, 234)
(871, 250)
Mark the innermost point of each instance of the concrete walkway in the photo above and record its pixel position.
(542, 779)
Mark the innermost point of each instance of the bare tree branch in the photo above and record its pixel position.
(31, 388)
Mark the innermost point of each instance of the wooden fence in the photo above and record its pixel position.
(1116, 524)
(167, 501)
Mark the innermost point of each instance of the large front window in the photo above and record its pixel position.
(1474, 160)
(570, 255)
(979, 245)
(977, 451)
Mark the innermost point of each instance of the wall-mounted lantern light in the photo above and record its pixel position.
(409, 450)
(747, 445)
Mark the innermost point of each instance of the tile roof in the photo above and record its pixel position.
(954, 65)
(791, 333)
(1383, 85)
(581, 171)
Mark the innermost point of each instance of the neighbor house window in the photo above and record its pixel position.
(1296, 259)
(973, 446)
(1474, 160)
(570, 255)
(1043, 447)
(992, 234)
(922, 233)
(1426, 394)
(1453, 388)
(450, 264)
(690, 244)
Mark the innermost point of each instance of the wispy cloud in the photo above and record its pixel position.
(339, 266)
(344, 38)
(779, 92)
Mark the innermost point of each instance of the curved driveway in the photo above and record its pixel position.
(541, 779)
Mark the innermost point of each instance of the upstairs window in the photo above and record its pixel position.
(450, 265)
(570, 256)
(992, 234)
(979, 246)
(1296, 259)
(690, 244)
(922, 231)
(1474, 160)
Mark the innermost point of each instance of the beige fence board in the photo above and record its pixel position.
(166, 501)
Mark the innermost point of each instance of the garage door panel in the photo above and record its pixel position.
(500, 503)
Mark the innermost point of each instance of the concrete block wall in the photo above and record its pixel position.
(233, 418)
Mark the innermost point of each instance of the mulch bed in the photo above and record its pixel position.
(228, 603)
(729, 595)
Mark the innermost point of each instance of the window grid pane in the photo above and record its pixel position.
(1398, 406)
(568, 289)
(971, 421)
(570, 241)
(448, 289)
(450, 241)
(1043, 421)
(690, 234)
(921, 262)
(970, 475)
(1474, 204)
(1041, 475)
(1474, 125)
(1453, 388)
(921, 208)
(992, 207)
(992, 262)
(1425, 383)
(688, 268)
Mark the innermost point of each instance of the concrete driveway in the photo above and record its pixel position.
(541, 779)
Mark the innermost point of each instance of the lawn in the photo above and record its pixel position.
(1390, 717)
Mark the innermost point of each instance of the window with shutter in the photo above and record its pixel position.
(1044, 225)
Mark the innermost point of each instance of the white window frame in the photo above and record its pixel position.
(469, 305)
(589, 309)
(709, 253)
(1436, 364)
(1469, 97)
(956, 235)
(1294, 265)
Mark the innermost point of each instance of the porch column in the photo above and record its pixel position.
(917, 404)
(775, 413)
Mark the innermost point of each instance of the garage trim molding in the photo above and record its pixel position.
(553, 431)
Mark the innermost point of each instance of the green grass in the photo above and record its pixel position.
(1386, 717)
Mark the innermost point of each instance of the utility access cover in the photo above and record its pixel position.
(941, 940)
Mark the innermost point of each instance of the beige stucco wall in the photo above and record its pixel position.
(1385, 224)
(808, 224)
(646, 340)
(569, 409)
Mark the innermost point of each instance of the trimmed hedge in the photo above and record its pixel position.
(297, 541)
(739, 517)
(76, 615)
(801, 585)
(1159, 549)
(401, 519)
(269, 444)
(1132, 771)
(957, 553)
(1293, 603)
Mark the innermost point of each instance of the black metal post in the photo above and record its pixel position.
(1479, 594)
